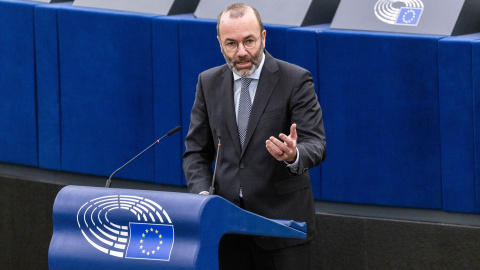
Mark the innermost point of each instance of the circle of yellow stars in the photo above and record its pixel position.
(160, 242)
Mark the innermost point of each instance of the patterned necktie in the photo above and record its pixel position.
(244, 108)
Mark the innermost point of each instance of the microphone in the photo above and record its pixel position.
(109, 181)
(212, 189)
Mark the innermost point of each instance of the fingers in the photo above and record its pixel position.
(280, 150)
(286, 148)
(293, 132)
(290, 140)
(287, 140)
(276, 148)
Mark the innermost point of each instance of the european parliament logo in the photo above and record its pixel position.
(128, 227)
(399, 12)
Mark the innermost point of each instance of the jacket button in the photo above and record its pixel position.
(242, 166)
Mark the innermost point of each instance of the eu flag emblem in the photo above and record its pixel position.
(150, 241)
(409, 16)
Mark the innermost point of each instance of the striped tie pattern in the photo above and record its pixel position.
(244, 108)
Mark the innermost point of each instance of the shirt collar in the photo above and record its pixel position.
(256, 74)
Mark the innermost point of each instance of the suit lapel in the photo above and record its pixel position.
(266, 84)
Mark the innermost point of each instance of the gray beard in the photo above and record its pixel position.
(256, 60)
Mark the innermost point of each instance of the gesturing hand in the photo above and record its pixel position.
(286, 148)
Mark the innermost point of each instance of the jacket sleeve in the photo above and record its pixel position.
(307, 114)
(199, 147)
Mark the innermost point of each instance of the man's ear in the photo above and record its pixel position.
(220, 42)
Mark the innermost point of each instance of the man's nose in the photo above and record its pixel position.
(241, 49)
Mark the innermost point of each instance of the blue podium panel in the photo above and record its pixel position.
(167, 104)
(379, 94)
(106, 91)
(457, 122)
(301, 49)
(18, 123)
(100, 228)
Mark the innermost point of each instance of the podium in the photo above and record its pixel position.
(108, 228)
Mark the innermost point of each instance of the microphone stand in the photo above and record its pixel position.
(212, 189)
(109, 181)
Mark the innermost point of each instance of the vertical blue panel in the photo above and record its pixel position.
(457, 123)
(301, 49)
(476, 118)
(106, 91)
(167, 109)
(48, 87)
(18, 126)
(379, 94)
(276, 40)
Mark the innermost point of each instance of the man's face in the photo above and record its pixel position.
(241, 31)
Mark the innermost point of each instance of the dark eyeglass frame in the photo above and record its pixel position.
(232, 45)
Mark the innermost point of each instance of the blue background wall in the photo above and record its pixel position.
(84, 90)
(18, 117)
(380, 99)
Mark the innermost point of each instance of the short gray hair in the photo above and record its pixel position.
(237, 11)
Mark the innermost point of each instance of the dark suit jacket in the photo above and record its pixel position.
(285, 95)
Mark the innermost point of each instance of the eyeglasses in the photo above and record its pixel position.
(232, 46)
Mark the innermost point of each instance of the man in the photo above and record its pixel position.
(256, 170)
